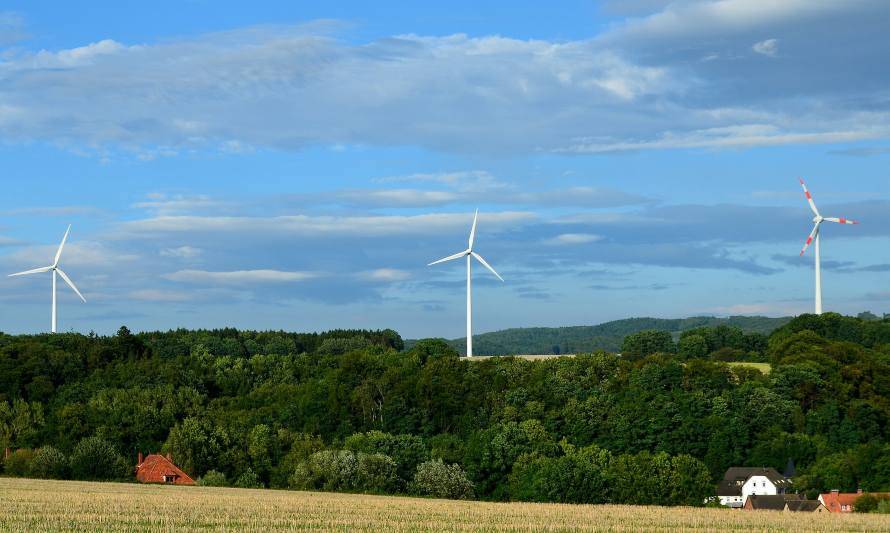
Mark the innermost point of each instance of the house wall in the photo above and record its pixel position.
(758, 485)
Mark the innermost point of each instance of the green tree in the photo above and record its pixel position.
(439, 480)
(95, 459)
(646, 343)
(49, 463)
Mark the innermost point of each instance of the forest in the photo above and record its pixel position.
(356, 411)
(607, 336)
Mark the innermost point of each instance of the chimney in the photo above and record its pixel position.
(139, 461)
(170, 457)
(859, 490)
(835, 491)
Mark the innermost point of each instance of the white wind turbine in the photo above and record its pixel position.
(469, 254)
(814, 235)
(54, 268)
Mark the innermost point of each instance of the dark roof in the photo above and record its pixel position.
(803, 506)
(736, 476)
(770, 502)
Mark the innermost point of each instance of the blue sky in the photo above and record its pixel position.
(295, 165)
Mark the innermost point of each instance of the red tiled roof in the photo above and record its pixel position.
(158, 469)
(842, 502)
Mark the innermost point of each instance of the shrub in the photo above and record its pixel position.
(18, 463)
(335, 469)
(248, 480)
(376, 472)
(213, 479)
(865, 504)
(436, 479)
(49, 463)
(96, 459)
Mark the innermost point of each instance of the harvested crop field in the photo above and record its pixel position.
(36, 505)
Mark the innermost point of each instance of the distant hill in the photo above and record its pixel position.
(607, 336)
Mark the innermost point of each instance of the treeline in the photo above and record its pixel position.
(352, 412)
(607, 336)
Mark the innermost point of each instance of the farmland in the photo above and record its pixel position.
(36, 505)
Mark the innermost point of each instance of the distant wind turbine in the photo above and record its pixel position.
(469, 254)
(54, 268)
(814, 235)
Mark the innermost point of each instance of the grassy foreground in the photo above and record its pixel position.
(36, 505)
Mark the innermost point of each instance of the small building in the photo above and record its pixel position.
(844, 502)
(804, 506)
(740, 482)
(770, 502)
(157, 468)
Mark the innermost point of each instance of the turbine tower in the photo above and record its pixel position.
(469, 254)
(818, 219)
(54, 268)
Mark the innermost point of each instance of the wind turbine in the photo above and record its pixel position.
(818, 219)
(54, 268)
(469, 254)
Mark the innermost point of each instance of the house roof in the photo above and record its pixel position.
(155, 467)
(770, 502)
(834, 500)
(736, 476)
(803, 506)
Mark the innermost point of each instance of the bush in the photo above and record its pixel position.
(865, 504)
(213, 479)
(407, 451)
(436, 479)
(376, 472)
(18, 463)
(49, 463)
(333, 470)
(248, 480)
(96, 459)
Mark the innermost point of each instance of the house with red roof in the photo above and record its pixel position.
(844, 502)
(156, 468)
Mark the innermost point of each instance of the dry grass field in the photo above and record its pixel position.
(32, 505)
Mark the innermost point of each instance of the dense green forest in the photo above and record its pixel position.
(354, 411)
(607, 336)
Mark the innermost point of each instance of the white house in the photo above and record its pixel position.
(740, 482)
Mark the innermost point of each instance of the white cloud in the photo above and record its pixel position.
(240, 277)
(322, 226)
(573, 238)
(385, 275)
(182, 252)
(163, 204)
(768, 47)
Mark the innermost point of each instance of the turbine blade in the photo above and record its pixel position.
(449, 258)
(842, 220)
(810, 238)
(809, 197)
(61, 246)
(473, 229)
(33, 271)
(479, 258)
(70, 283)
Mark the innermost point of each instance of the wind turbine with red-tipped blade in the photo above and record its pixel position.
(469, 253)
(818, 219)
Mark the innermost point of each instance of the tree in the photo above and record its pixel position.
(49, 463)
(692, 347)
(197, 444)
(95, 459)
(436, 479)
(646, 343)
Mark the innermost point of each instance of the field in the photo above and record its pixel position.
(32, 505)
(764, 368)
